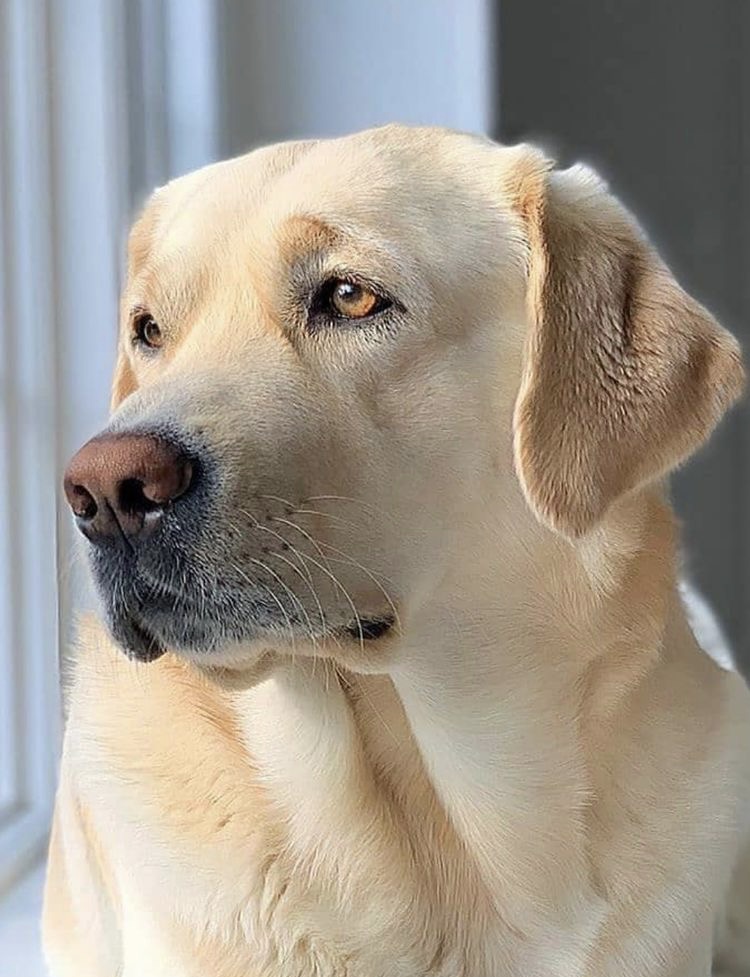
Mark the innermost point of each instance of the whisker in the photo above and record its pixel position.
(295, 509)
(306, 575)
(350, 561)
(337, 583)
(348, 524)
(281, 607)
(294, 598)
(330, 516)
(373, 510)
(303, 532)
(323, 622)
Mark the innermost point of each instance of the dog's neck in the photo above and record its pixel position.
(477, 722)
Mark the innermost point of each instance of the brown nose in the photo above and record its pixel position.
(119, 485)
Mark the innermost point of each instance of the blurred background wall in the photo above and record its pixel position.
(294, 68)
(102, 100)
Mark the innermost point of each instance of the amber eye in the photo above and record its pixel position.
(146, 331)
(350, 300)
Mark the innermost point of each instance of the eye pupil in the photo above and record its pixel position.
(351, 300)
(347, 292)
(148, 331)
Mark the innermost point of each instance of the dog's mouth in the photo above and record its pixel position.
(162, 597)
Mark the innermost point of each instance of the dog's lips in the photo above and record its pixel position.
(147, 626)
(370, 628)
(137, 641)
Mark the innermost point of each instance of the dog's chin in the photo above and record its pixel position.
(146, 622)
(146, 637)
(234, 665)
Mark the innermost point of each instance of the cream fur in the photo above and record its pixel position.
(538, 772)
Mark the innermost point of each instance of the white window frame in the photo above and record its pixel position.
(29, 629)
(82, 82)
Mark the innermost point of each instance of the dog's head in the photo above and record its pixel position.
(341, 360)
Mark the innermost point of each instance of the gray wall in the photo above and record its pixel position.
(655, 95)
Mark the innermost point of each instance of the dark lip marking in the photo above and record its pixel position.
(138, 643)
(370, 628)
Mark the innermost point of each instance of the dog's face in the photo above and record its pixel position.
(323, 350)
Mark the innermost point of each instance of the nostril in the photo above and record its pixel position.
(81, 501)
(132, 498)
(168, 481)
(154, 492)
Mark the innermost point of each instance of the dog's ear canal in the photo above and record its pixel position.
(624, 374)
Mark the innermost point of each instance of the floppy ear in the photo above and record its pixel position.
(624, 375)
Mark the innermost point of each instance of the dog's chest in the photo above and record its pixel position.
(233, 854)
(289, 837)
(274, 924)
(256, 908)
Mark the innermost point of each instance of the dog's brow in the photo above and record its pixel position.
(305, 234)
(164, 288)
(302, 233)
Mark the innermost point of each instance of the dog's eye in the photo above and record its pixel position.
(352, 300)
(147, 332)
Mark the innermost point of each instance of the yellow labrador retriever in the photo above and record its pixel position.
(379, 524)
